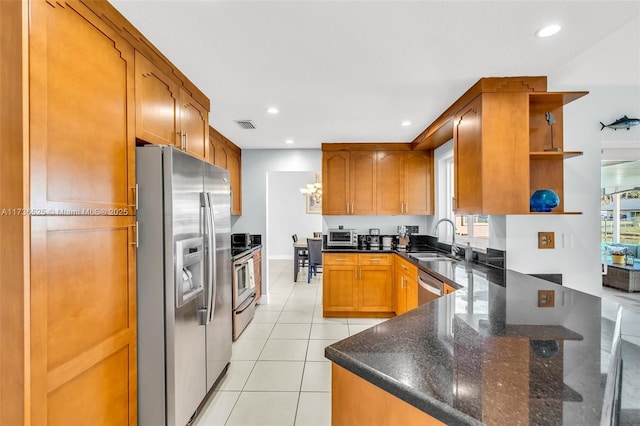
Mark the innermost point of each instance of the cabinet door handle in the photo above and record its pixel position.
(341, 259)
(375, 259)
(135, 196)
(135, 243)
(186, 140)
(402, 282)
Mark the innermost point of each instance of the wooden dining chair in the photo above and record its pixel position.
(315, 257)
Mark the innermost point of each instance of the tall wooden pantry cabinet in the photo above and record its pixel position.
(70, 117)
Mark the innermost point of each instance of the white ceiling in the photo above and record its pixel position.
(352, 71)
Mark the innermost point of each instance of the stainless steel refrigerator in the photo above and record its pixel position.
(183, 280)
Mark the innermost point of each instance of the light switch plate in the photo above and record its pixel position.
(546, 298)
(546, 240)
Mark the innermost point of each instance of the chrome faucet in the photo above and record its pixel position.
(454, 248)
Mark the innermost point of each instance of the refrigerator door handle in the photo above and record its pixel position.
(211, 272)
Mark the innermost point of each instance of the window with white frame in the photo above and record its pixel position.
(469, 228)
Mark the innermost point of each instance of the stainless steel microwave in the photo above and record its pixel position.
(342, 238)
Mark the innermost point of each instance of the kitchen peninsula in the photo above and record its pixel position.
(484, 354)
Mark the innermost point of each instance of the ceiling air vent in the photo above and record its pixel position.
(245, 124)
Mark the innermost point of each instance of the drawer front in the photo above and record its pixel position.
(407, 268)
(374, 259)
(340, 259)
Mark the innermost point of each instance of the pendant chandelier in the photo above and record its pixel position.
(314, 190)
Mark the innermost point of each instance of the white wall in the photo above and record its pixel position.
(256, 165)
(287, 213)
(578, 258)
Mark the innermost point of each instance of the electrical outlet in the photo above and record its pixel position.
(546, 298)
(546, 240)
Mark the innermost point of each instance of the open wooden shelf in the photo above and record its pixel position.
(557, 212)
(542, 155)
(556, 98)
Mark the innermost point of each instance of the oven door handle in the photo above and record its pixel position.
(246, 304)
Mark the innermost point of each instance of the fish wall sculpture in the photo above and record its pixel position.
(621, 123)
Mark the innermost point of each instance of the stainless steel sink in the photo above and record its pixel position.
(430, 256)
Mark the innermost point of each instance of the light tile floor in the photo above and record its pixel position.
(278, 374)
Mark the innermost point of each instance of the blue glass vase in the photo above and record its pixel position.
(543, 200)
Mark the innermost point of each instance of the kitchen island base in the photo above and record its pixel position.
(355, 401)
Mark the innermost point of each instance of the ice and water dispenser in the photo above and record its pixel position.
(189, 269)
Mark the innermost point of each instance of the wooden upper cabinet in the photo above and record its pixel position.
(389, 179)
(217, 148)
(166, 113)
(336, 198)
(370, 182)
(194, 125)
(227, 155)
(404, 182)
(157, 103)
(501, 138)
(491, 154)
(362, 182)
(82, 114)
(418, 183)
(467, 147)
(234, 165)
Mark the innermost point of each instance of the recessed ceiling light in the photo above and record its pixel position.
(406, 123)
(548, 31)
(272, 110)
(289, 141)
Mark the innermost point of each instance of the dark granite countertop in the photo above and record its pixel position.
(486, 354)
(456, 272)
(237, 253)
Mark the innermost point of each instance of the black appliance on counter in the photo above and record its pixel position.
(240, 240)
(243, 242)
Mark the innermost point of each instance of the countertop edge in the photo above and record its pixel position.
(425, 403)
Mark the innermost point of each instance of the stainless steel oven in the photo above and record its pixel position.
(244, 295)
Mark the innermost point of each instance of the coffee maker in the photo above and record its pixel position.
(373, 242)
(403, 239)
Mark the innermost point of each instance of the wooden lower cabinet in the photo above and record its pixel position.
(357, 285)
(339, 289)
(83, 320)
(355, 401)
(406, 282)
(257, 273)
(376, 293)
(446, 289)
